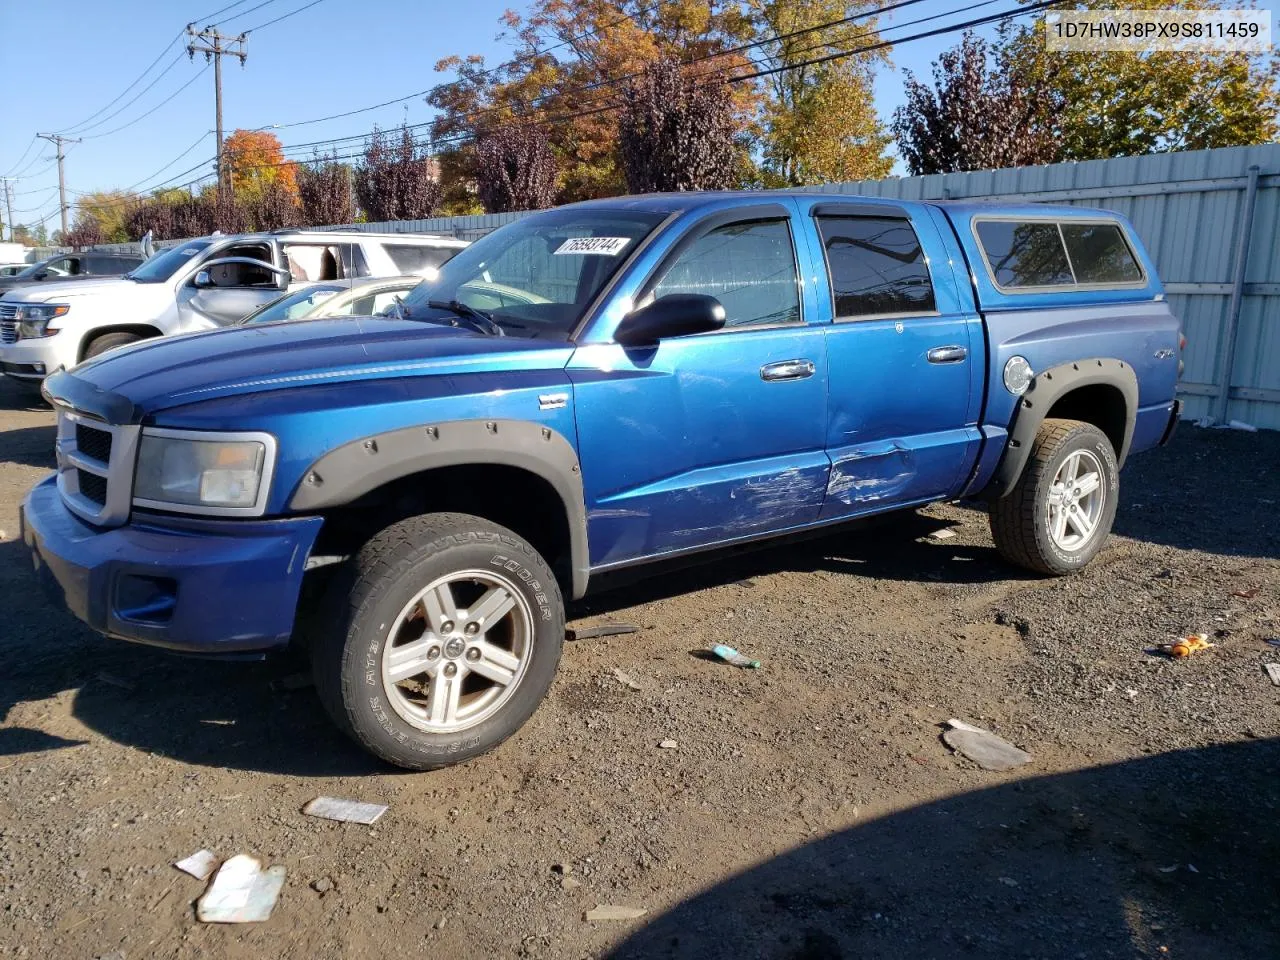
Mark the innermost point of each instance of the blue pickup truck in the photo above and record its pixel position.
(589, 388)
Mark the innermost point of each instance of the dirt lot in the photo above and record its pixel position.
(810, 809)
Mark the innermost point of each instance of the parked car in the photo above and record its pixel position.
(198, 284)
(68, 267)
(358, 298)
(12, 269)
(688, 372)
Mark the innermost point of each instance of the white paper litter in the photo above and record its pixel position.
(348, 811)
(199, 865)
(606, 911)
(1273, 671)
(241, 892)
(983, 747)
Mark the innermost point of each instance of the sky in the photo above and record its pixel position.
(331, 57)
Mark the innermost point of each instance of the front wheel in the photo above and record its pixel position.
(1058, 515)
(446, 638)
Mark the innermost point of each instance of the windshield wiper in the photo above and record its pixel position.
(478, 320)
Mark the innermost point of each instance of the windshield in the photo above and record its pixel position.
(293, 306)
(537, 276)
(166, 263)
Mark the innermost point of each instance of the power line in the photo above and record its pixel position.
(614, 81)
(242, 13)
(81, 125)
(484, 73)
(31, 143)
(141, 93)
(209, 16)
(144, 116)
(284, 16)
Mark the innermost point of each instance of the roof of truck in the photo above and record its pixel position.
(665, 203)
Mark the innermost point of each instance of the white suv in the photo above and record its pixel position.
(198, 284)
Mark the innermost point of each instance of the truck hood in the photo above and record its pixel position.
(134, 382)
(47, 290)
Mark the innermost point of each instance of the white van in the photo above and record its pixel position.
(198, 284)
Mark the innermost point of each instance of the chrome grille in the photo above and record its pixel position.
(8, 323)
(95, 467)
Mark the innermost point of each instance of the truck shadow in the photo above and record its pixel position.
(213, 713)
(28, 446)
(20, 396)
(1179, 851)
(892, 547)
(1209, 490)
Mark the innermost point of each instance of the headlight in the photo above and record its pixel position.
(198, 472)
(33, 318)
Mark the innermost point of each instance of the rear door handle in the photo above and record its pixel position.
(952, 354)
(787, 370)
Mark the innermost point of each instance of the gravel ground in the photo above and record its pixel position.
(808, 810)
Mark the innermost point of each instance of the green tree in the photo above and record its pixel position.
(101, 214)
(818, 121)
(1124, 104)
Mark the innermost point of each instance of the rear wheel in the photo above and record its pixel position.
(108, 341)
(1059, 513)
(446, 638)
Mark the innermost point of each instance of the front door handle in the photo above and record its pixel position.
(953, 354)
(788, 370)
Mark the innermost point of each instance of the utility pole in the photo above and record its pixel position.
(215, 46)
(8, 205)
(58, 140)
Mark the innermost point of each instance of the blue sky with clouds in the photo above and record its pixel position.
(62, 69)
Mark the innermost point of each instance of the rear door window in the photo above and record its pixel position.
(1099, 253)
(309, 262)
(1025, 253)
(877, 267)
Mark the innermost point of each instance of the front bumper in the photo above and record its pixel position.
(196, 586)
(32, 359)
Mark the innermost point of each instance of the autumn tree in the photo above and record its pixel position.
(396, 179)
(325, 192)
(677, 132)
(1111, 104)
(85, 232)
(979, 115)
(106, 211)
(252, 161)
(566, 63)
(819, 120)
(516, 169)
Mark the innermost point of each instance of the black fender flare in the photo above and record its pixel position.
(1045, 390)
(354, 469)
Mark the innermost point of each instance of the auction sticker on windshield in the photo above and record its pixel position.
(602, 246)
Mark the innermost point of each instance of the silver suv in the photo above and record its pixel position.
(194, 285)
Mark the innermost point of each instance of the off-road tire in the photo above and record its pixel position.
(108, 341)
(1020, 520)
(367, 596)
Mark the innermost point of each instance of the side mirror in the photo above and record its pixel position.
(202, 279)
(675, 315)
(42, 275)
